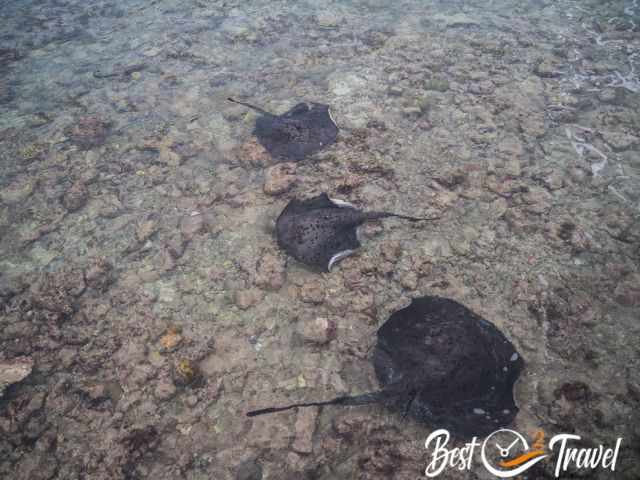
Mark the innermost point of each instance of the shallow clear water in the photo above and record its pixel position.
(137, 212)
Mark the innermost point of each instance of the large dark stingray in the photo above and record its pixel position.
(444, 365)
(302, 131)
(320, 231)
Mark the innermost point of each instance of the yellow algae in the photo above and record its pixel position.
(186, 371)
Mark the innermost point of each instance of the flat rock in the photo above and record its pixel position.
(88, 132)
(510, 146)
(191, 225)
(341, 84)
(437, 247)
(253, 154)
(456, 20)
(312, 292)
(146, 229)
(627, 292)
(14, 371)
(620, 141)
(328, 20)
(484, 87)
(165, 389)
(305, 428)
(245, 299)
(547, 68)
(18, 190)
(279, 178)
(318, 330)
(553, 180)
(249, 470)
(537, 200)
(270, 271)
(75, 198)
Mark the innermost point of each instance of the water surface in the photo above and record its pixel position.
(138, 269)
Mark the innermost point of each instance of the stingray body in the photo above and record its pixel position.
(320, 231)
(442, 364)
(302, 131)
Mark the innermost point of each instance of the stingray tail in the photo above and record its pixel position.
(377, 215)
(364, 399)
(252, 107)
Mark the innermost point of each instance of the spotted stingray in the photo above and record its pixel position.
(443, 365)
(302, 131)
(321, 231)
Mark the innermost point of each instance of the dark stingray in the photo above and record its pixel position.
(442, 364)
(320, 231)
(302, 131)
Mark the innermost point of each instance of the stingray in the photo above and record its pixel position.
(302, 131)
(320, 231)
(442, 364)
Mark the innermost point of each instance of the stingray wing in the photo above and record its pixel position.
(296, 206)
(299, 110)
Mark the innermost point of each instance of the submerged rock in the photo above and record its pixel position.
(9, 55)
(18, 190)
(14, 371)
(253, 154)
(6, 93)
(305, 428)
(165, 389)
(170, 340)
(279, 178)
(97, 273)
(191, 225)
(270, 271)
(312, 292)
(146, 229)
(75, 197)
(249, 470)
(620, 141)
(186, 372)
(55, 292)
(318, 330)
(627, 292)
(245, 299)
(547, 67)
(89, 132)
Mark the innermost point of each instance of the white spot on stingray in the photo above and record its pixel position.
(342, 203)
(514, 357)
(339, 256)
(506, 411)
(331, 117)
(478, 411)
